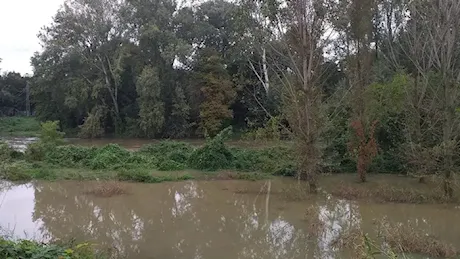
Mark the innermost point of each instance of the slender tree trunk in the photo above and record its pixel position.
(447, 139)
(264, 67)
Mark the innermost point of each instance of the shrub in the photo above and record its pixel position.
(50, 134)
(137, 158)
(93, 127)
(50, 137)
(6, 152)
(36, 151)
(269, 160)
(168, 150)
(70, 155)
(14, 172)
(270, 131)
(214, 154)
(108, 157)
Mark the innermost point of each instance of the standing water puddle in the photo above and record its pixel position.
(219, 219)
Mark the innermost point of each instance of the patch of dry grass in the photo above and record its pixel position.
(315, 225)
(407, 239)
(107, 189)
(387, 193)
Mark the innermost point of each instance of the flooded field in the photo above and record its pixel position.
(219, 219)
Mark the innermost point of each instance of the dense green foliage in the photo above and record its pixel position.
(12, 94)
(26, 249)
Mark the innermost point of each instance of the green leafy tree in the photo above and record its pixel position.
(178, 122)
(151, 107)
(217, 91)
(94, 124)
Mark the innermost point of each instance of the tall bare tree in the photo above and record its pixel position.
(303, 24)
(432, 45)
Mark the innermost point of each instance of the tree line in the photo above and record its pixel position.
(13, 94)
(352, 81)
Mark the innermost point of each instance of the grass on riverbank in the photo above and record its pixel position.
(27, 249)
(19, 126)
(26, 171)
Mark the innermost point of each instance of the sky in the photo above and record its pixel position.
(20, 22)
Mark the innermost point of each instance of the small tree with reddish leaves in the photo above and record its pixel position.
(364, 146)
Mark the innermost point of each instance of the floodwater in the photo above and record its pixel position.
(218, 219)
(21, 143)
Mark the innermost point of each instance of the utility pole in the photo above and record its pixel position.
(27, 99)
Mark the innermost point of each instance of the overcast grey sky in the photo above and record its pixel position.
(20, 22)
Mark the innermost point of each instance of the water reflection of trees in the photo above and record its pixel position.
(190, 219)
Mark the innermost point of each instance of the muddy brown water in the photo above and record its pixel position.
(199, 219)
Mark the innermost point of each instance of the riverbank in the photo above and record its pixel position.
(178, 161)
(163, 161)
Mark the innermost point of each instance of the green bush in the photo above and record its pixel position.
(108, 157)
(26, 249)
(271, 131)
(70, 155)
(387, 162)
(168, 151)
(36, 151)
(268, 160)
(246, 160)
(14, 172)
(214, 154)
(6, 152)
(50, 137)
(50, 134)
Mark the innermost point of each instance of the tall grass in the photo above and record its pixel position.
(19, 126)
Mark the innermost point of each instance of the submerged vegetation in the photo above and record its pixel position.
(107, 189)
(408, 240)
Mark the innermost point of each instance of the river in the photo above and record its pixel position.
(199, 219)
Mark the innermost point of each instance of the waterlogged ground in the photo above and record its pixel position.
(218, 219)
(19, 143)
